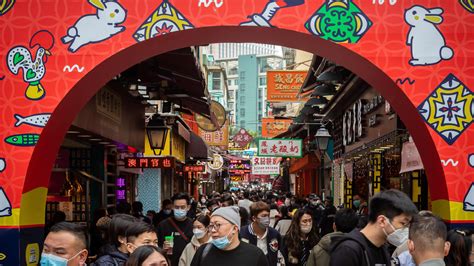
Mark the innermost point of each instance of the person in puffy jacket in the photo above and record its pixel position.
(200, 236)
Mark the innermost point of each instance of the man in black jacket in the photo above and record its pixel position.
(390, 214)
(179, 226)
(259, 233)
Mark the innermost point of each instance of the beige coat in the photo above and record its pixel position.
(189, 251)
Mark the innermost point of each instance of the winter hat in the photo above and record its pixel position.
(230, 213)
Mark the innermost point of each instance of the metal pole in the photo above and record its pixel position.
(321, 176)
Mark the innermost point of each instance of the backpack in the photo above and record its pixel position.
(337, 241)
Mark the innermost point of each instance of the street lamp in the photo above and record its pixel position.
(322, 138)
(157, 130)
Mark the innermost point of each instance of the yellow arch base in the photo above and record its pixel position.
(452, 211)
(33, 205)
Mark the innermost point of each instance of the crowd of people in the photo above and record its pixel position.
(262, 228)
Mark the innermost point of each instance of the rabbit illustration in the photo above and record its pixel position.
(97, 27)
(427, 43)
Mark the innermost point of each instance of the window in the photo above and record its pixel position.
(259, 93)
(262, 81)
(233, 71)
(242, 99)
(259, 106)
(236, 82)
(229, 82)
(216, 81)
(242, 87)
(242, 112)
(242, 74)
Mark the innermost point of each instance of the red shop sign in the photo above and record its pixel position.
(149, 162)
(194, 168)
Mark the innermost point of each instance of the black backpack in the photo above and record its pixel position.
(339, 240)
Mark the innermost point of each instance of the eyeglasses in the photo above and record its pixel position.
(215, 226)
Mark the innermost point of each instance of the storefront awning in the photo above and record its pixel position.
(309, 161)
(197, 148)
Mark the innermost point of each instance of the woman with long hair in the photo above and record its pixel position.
(147, 256)
(201, 236)
(461, 247)
(301, 237)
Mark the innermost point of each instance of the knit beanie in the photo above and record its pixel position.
(230, 213)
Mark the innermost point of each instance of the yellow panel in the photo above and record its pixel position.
(32, 212)
(453, 211)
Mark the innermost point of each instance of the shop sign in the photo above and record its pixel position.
(218, 115)
(372, 104)
(216, 163)
(239, 167)
(216, 138)
(352, 123)
(284, 85)
(242, 138)
(237, 178)
(194, 168)
(235, 147)
(149, 162)
(272, 127)
(266, 166)
(373, 120)
(280, 147)
(120, 192)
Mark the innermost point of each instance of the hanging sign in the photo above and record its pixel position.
(149, 162)
(239, 167)
(266, 166)
(216, 163)
(194, 168)
(280, 147)
(242, 138)
(272, 127)
(218, 116)
(284, 85)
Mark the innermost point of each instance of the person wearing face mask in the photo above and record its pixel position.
(301, 238)
(201, 236)
(259, 233)
(360, 205)
(390, 213)
(225, 247)
(140, 234)
(64, 245)
(116, 253)
(179, 227)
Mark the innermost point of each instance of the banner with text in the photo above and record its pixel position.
(266, 166)
(284, 85)
(272, 127)
(280, 147)
(219, 137)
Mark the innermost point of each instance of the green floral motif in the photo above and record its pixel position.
(339, 22)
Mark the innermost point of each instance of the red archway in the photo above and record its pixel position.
(51, 138)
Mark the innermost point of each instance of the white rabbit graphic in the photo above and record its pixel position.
(428, 46)
(97, 27)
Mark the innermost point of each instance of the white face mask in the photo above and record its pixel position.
(198, 233)
(305, 229)
(398, 236)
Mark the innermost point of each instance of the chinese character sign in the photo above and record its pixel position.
(216, 138)
(280, 147)
(242, 138)
(266, 165)
(272, 127)
(284, 85)
(149, 162)
(194, 168)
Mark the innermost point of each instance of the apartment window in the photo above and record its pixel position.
(242, 99)
(242, 74)
(262, 81)
(242, 123)
(229, 82)
(260, 93)
(242, 87)
(259, 105)
(242, 112)
(216, 81)
(233, 71)
(236, 82)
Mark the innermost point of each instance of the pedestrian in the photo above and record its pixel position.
(360, 205)
(227, 201)
(273, 214)
(427, 241)
(140, 234)
(401, 256)
(137, 212)
(150, 214)
(201, 236)
(317, 208)
(147, 256)
(124, 207)
(225, 247)
(246, 201)
(461, 246)
(345, 221)
(165, 212)
(244, 216)
(116, 253)
(65, 244)
(260, 234)
(329, 213)
(301, 238)
(283, 223)
(179, 228)
(390, 213)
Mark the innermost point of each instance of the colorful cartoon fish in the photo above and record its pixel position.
(37, 120)
(26, 140)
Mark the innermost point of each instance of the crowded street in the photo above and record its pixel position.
(236, 132)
